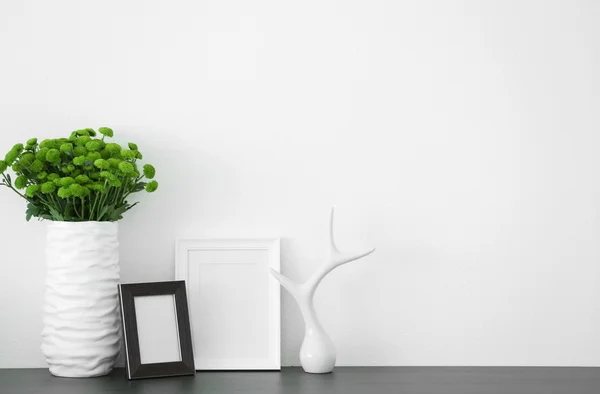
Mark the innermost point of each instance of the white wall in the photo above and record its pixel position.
(459, 138)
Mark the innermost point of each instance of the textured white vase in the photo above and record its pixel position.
(81, 334)
(317, 354)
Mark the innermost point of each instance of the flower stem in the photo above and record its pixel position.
(8, 184)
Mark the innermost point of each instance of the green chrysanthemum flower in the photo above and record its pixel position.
(31, 190)
(79, 161)
(95, 176)
(64, 192)
(91, 132)
(82, 179)
(102, 164)
(151, 186)
(93, 146)
(114, 182)
(18, 167)
(48, 188)
(79, 151)
(107, 175)
(47, 144)
(76, 173)
(106, 131)
(18, 148)
(37, 166)
(32, 141)
(66, 147)
(126, 168)
(97, 187)
(53, 176)
(132, 146)
(3, 166)
(128, 154)
(68, 169)
(72, 137)
(149, 171)
(81, 141)
(21, 182)
(105, 154)
(41, 154)
(114, 163)
(110, 178)
(78, 190)
(67, 181)
(27, 159)
(93, 156)
(53, 156)
(113, 148)
(11, 157)
(42, 175)
(82, 132)
(138, 155)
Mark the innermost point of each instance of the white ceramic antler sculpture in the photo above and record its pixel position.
(317, 354)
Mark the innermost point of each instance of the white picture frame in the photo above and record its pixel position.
(234, 303)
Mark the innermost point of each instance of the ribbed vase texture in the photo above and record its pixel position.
(81, 334)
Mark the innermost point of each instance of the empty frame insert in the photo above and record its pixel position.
(156, 328)
(234, 302)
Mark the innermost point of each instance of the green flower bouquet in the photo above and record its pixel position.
(77, 179)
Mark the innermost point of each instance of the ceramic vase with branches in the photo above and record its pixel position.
(317, 354)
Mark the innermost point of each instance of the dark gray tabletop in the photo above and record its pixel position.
(359, 380)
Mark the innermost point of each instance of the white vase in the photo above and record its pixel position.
(317, 354)
(82, 331)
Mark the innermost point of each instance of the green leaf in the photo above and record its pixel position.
(139, 187)
(32, 210)
(117, 214)
(102, 213)
(131, 206)
(56, 216)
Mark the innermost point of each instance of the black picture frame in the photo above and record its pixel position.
(135, 368)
